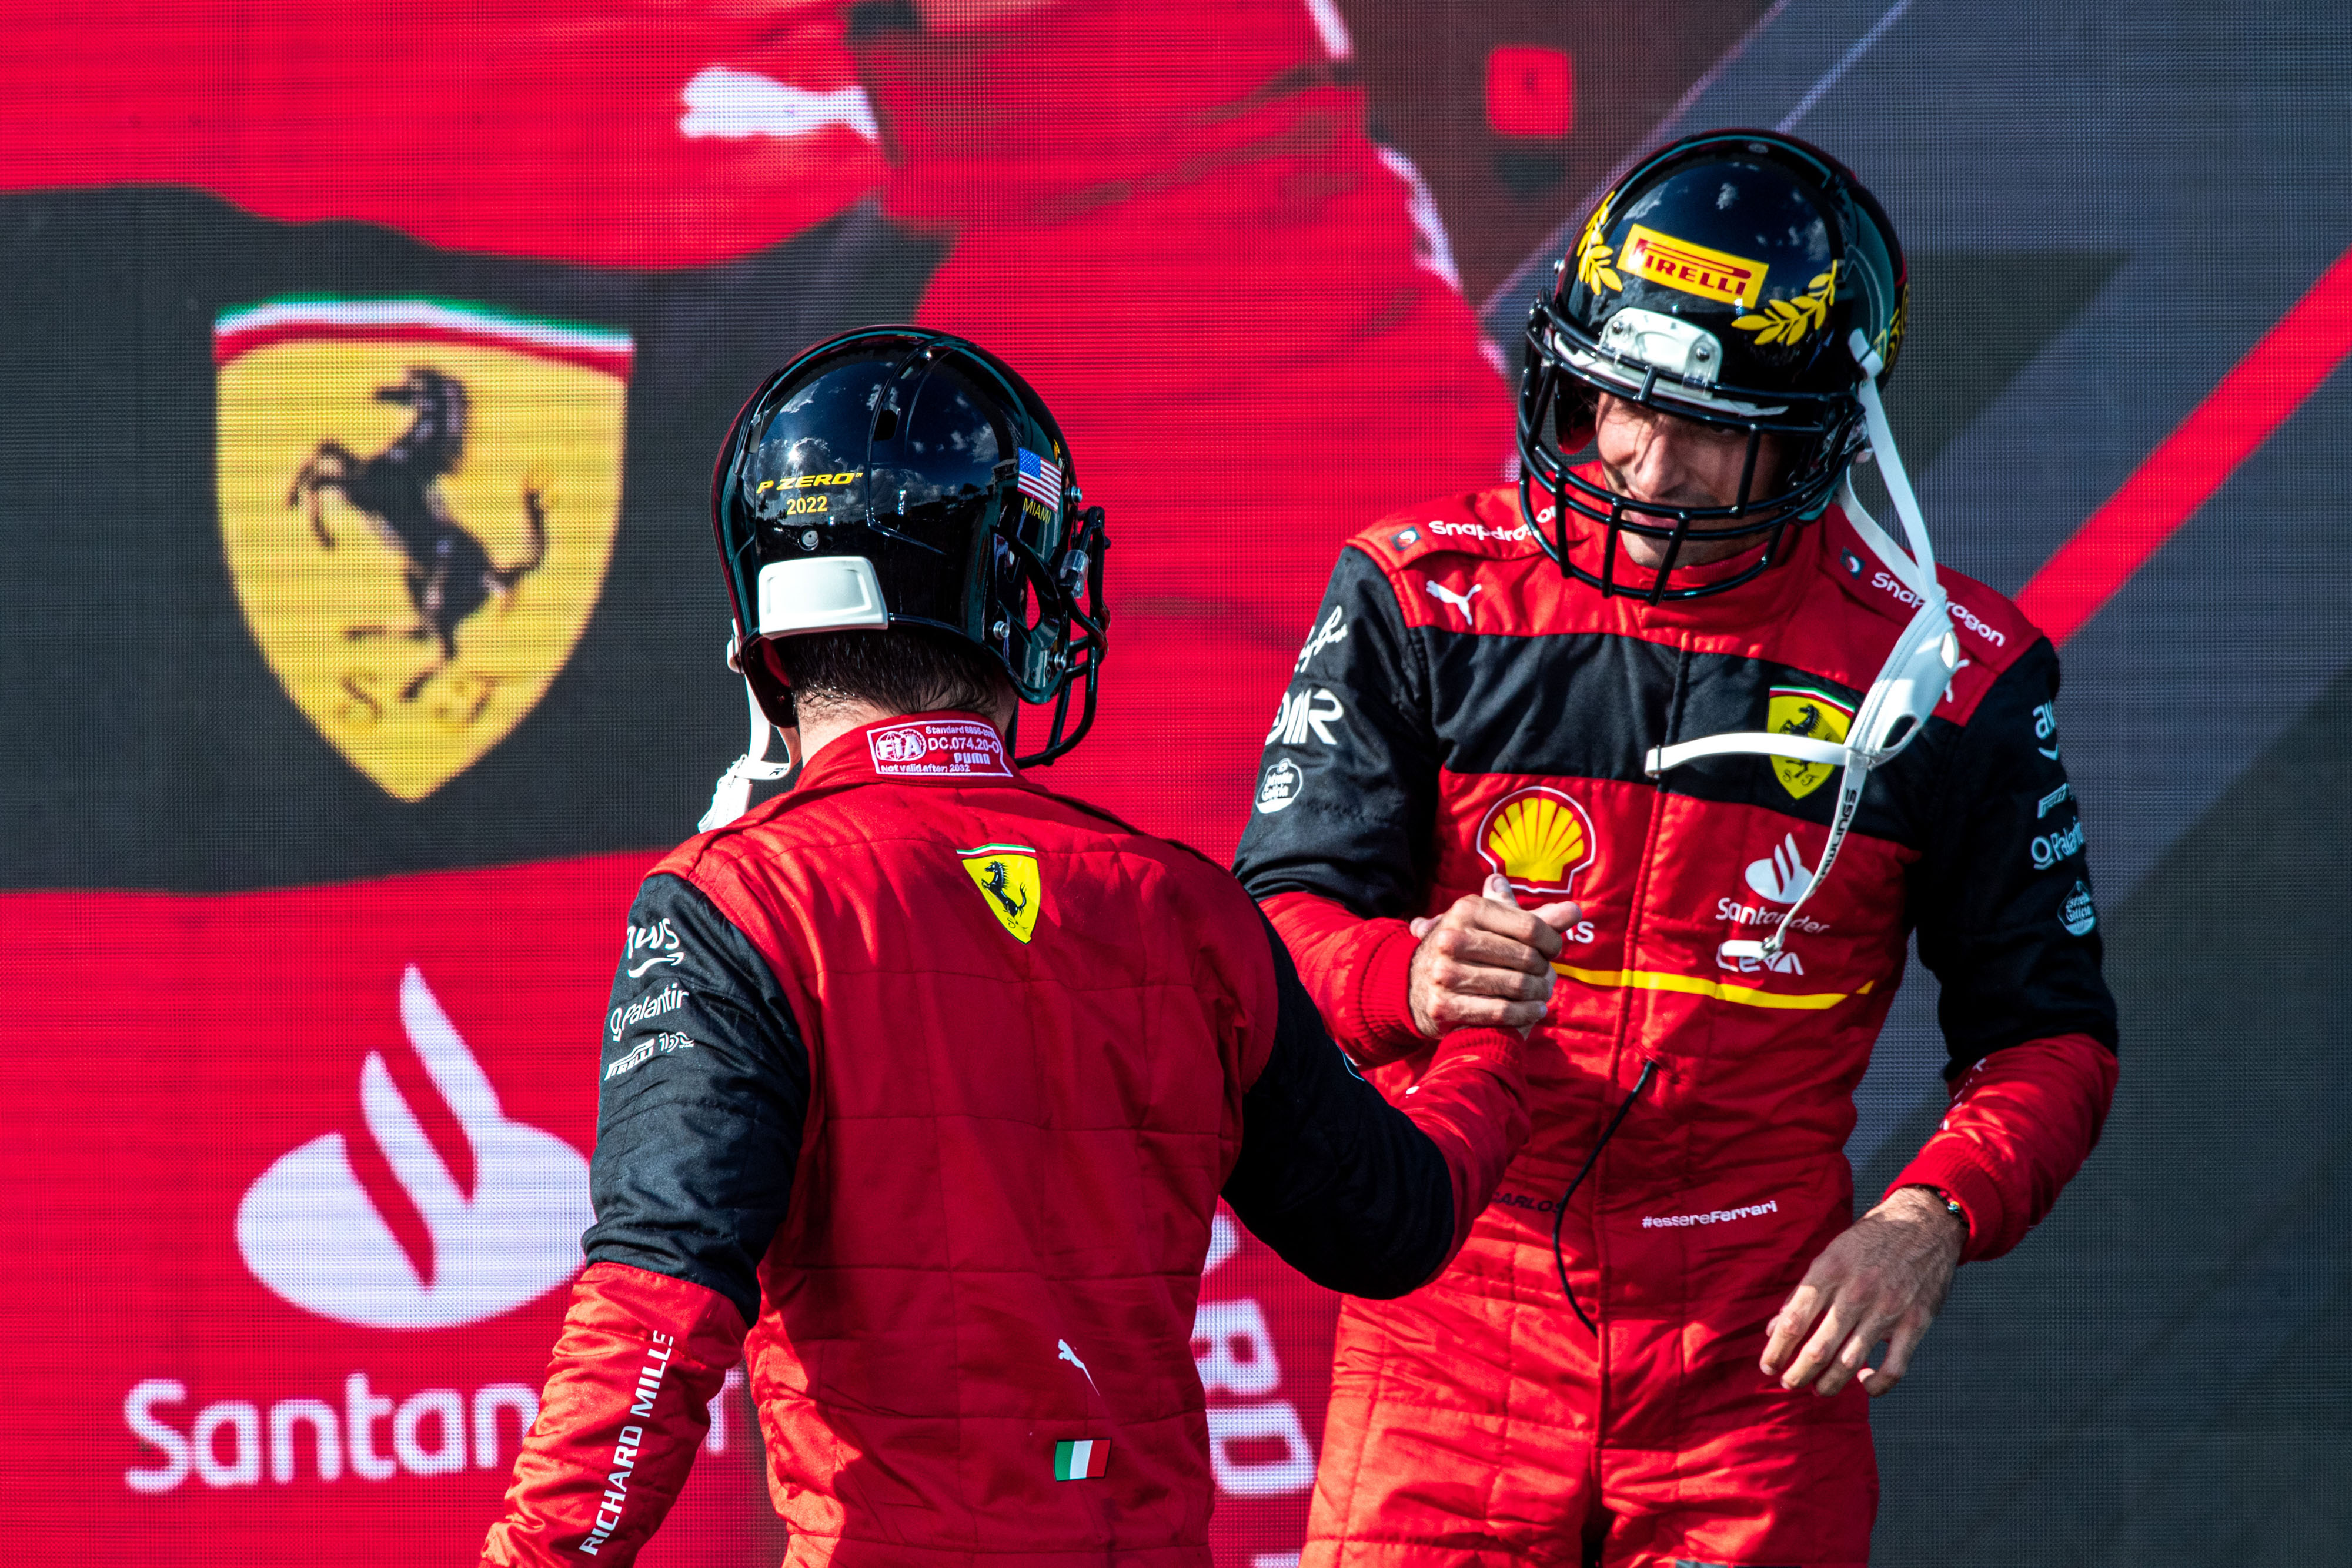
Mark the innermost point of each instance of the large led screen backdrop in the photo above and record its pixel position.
(314, 892)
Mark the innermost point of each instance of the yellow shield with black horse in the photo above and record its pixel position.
(418, 501)
(1006, 875)
(1816, 715)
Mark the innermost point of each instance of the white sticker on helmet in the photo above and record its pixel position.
(820, 593)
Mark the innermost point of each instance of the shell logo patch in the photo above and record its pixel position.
(1693, 269)
(1006, 875)
(1801, 710)
(417, 503)
(1540, 838)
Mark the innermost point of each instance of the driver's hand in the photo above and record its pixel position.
(1883, 1281)
(1486, 961)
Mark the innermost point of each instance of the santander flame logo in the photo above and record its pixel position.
(310, 1231)
(1782, 876)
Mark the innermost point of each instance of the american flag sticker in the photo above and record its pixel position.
(1081, 1462)
(1041, 481)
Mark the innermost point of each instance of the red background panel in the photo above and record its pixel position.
(192, 1045)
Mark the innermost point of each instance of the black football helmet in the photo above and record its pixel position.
(1722, 280)
(898, 477)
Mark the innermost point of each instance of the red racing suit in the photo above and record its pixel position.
(930, 1081)
(1461, 707)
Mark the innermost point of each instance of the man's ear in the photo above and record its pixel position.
(771, 685)
(1007, 706)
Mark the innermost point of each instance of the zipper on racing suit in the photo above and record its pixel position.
(1637, 908)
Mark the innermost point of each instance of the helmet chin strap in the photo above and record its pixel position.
(1916, 675)
(733, 796)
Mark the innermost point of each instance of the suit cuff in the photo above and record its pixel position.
(1953, 1166)
(1471, 1103)
(1384, 999)
(1500, 1048)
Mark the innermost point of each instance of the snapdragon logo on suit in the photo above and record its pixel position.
(308, 1230)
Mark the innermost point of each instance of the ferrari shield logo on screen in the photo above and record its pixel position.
(1693, 269)
(1539, 839)
(418, 500)
(1800, 710)
(1006, 875)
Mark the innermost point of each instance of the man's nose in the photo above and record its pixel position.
(1657, 461)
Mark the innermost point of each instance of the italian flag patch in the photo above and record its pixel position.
(1081, 1462)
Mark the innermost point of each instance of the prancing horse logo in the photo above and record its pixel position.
(993, 886)
(450, 574)
(418, 499)
(1813, 715)
(1007, 875)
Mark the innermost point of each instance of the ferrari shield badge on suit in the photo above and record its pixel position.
(1006, 875)
(1801, 710)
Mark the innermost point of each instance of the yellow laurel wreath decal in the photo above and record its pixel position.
(1787, 320)
(1592, 257)
(1890, 336)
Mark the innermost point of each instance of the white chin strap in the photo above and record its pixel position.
(732, 797)
(1916, 675)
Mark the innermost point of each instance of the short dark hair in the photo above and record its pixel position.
(904, 669)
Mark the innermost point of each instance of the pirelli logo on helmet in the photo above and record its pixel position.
(1693, 269)
(806, 482)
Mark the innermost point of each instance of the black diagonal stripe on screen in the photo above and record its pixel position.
(1977, 319)
(1591, 705)
(150, 744)
(2191, 1295)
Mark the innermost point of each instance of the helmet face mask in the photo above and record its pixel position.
(1717, 282)
(897, 477)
